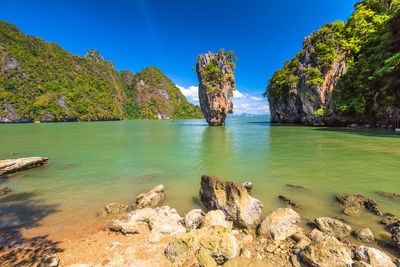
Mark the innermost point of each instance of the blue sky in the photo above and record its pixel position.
(170, 34)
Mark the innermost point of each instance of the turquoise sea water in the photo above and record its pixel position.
(95, 163)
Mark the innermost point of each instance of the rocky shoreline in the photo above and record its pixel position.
(232, 232)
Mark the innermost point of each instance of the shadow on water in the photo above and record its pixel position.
(18, 212)
(363, 132)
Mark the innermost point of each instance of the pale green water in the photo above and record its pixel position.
(93, 164)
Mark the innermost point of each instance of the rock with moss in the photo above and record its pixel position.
(216, 85)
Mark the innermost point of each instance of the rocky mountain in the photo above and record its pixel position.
(40, 81)
(217, 83)
(345, 73)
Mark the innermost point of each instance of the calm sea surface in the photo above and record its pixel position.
(95, 163)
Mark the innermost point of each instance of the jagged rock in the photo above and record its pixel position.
(372, 205)
(5, 191)
(216, 240)
(216, 217)
(233, 199)
(352, 203)
(390, 220)
(49, 261)
(216, 85)
(163, 221)
(316, 235)
(364, 235)
(333, 226)
(326, 253)
(280, 224)
(151, 199)
(289, 202)
(115, 208)
(194, 219)
(243, 261)
(302, 241)
(248, 186)
(395, 231)
(304, 99)
(373, 257)
(8, 166)
(391, 195)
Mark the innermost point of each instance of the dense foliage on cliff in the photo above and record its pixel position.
(42, 81)
(369, 44)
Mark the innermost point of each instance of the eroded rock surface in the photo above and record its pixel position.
(8, 166)
(280, 224)
(373, 256)
(163, 221)
(216, 85)
(233, 199)
(194, 219)
(151, 199)
(216, 217)
(332, 226)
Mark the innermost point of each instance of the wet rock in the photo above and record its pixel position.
(333, 226)
(8, 166)
(390, 220)
(151, 199)
(244, 261)
(216, 217)
(351, 203)
(390, 195)
(216, 240)
(395, 231)
(233, 199)
(372, 205)
(216, 85)
(296, 187)
(115, 208)
(373, 257)
(4, 191)
(49, 261)
(248, 186)
(364, 235)
(163, 221)
(326, 253)
(289, 202)
(194, 219)
(280, 224)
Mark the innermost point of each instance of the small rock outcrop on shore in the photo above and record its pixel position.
(216, 85)
(8, 166)
(333, 226)
(233, 199)
(151, 199)
(354, 203)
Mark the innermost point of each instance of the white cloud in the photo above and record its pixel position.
(242, 103)
(237, 94)
(192, 93)
(256, 98)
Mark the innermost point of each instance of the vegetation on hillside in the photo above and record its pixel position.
(42, 81)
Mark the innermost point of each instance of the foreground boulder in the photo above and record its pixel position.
(332, 226)
(233, 199)
(280, 224)
(216, 85)
(373, 256)
(326, 253)
(151, 199)
(217, 241)
(8, 166)
(163, 221)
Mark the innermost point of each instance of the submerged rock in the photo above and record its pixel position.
(194, 219)
(364, 235)
(217, 241)
(216, 86)
(351, 203)
(163, 221)
(296, 187)
(289, 202)
(390, 195)
(280, 224)
(326, 253)
(8, 166)
(373, 256)
(5, 191)
(233, 199)
(151, 199)
(332, 226)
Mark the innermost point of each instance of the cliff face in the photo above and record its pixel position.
(346, 72)
(216, 86)
(40, 81)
